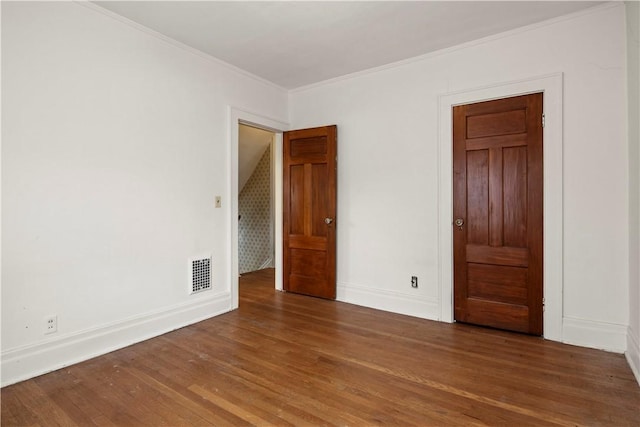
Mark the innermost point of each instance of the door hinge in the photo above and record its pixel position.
(543, 120)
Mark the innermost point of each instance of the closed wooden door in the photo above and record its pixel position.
(309, 158)
(497, 207)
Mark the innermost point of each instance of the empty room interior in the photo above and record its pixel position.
(320, 213)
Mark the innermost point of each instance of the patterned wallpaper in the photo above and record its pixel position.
(254, 227)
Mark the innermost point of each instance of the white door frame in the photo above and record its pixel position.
(551, 86)
(237, 117)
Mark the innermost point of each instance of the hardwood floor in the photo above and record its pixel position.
(285, 359)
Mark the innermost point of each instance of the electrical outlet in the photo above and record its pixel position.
(414, 281)
(51, 324)
(218, 202)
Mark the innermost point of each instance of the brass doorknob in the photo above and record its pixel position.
(328, 221)
(459, 222)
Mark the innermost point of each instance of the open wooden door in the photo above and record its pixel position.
(497, 207)
(309, 180)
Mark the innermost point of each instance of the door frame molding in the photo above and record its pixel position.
(552, 87)
(237, 116)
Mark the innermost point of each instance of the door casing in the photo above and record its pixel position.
(551, 86)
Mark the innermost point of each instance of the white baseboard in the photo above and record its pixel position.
(601, 335)
(410, 305)
(26, 362)
(633, 353)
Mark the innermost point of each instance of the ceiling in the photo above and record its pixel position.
(294, 44)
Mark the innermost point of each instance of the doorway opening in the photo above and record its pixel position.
(238, 118)
(256, 249)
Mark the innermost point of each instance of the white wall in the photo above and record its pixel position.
(633, 81)
(388, 167)
(115, 143)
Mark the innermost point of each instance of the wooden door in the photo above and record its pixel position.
(497, 208)
(309, 157)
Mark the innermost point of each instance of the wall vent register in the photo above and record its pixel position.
(199, 274)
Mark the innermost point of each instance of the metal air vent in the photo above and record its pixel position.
(199, 274)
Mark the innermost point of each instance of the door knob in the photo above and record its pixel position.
(459, 222)
(328, 221)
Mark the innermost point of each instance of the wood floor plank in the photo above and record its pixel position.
(201, 415)
(15, 414)
(264, 396)
(63, 393)
(391, 374)
(288, 360)
(317, 344)
(42, 407)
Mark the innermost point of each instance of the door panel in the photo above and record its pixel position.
(515, 191)
(310, 211)
(517, 257)
(478, 197)
(296, 199)
(497, 165)
(319, 199)
(491, 124)
(503, 283)
(307, 262)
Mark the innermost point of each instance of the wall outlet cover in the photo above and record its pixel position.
(50, 324)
